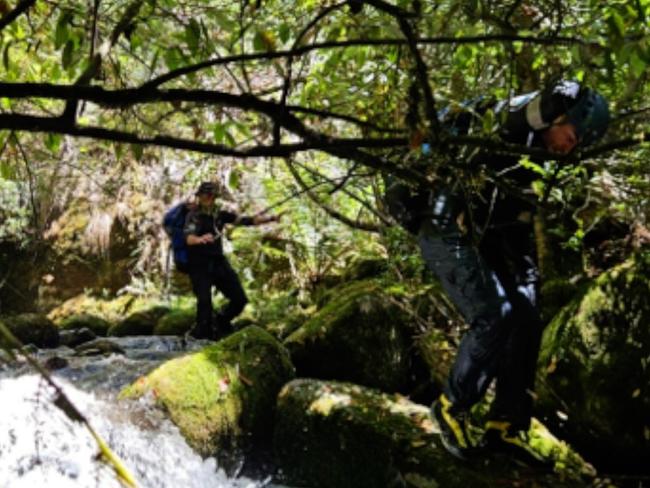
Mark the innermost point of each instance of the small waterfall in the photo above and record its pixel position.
(41, 447)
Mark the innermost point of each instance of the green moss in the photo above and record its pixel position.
(592, 365)
(32, 328)
(139, 323)
(176, 322)
(223, 391)
(112, 310)
(98, 325)
(344, 435)
(361, 335)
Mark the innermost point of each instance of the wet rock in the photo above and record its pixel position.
(222, 393)
(98, 347)
(139, 323)
(176, 322)
(362, 335)
(96, 324)
(55, 362)
(594, 369)
(32, 328)
(339, 434)
(73, 338)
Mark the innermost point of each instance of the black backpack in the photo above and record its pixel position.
(173, 223)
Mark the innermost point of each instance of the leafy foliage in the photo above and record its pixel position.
(113, 99)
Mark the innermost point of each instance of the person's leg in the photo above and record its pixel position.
(477, 293)
(518, 273)
(510, 413)
(202, 288)
(227, 282)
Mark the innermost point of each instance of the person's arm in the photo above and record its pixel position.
(235, 219)
(264, 219)
(191, 232)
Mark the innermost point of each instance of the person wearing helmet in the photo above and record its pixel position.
(481, 248)
(208, 266)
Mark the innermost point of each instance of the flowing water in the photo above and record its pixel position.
(41, 447)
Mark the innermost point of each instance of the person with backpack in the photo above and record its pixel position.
(480, 245)
(207, 265)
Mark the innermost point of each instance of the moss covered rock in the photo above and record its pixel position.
(139, 323)
(222, 392)
(338, 434)
(32, 328)
(361, 335)
(594, 368)
(176, 322)
(98, 325)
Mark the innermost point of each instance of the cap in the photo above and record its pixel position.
(207, 188)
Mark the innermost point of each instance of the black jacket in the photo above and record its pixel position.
(198, 223)
(527, 117)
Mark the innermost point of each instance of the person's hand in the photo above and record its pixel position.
(206, 239)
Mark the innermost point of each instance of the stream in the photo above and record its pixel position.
(40, 445)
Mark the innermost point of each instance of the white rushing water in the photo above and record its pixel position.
(40, 447)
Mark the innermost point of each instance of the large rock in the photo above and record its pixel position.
(226, 390)
(139, 323)
(361, 335)
(338, 434)
(176, 322)
(32, 328)
(595, 368)
(97, 324)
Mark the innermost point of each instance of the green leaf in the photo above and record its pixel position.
(61, 33)
(258, 42)
(5, 56)
(66, 55)
(218, 133)
(53, 142)
(118, 149)
(233, 180)
(7, 171)
(284, 32)
(616, 24)
(172, 58)
(137, 150)
(193, 35)
(638, 65)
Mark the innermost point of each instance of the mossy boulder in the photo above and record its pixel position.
(594, 368)
(221, 393)
(339, 434)
(97, 324)
(361, 335)
(139, 323)
(32, 328)
(175, 322)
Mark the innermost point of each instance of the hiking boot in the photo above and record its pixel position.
(500, 436)
(453, 428)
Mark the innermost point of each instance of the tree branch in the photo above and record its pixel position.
(367, 226)
(22, 6)
(299, 51)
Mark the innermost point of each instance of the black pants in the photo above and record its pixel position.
(217, 272)
(494, 288)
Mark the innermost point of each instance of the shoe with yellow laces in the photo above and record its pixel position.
(501, 436)
(453, 428)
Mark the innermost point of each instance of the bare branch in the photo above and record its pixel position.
(301, 50)
(22, 6)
